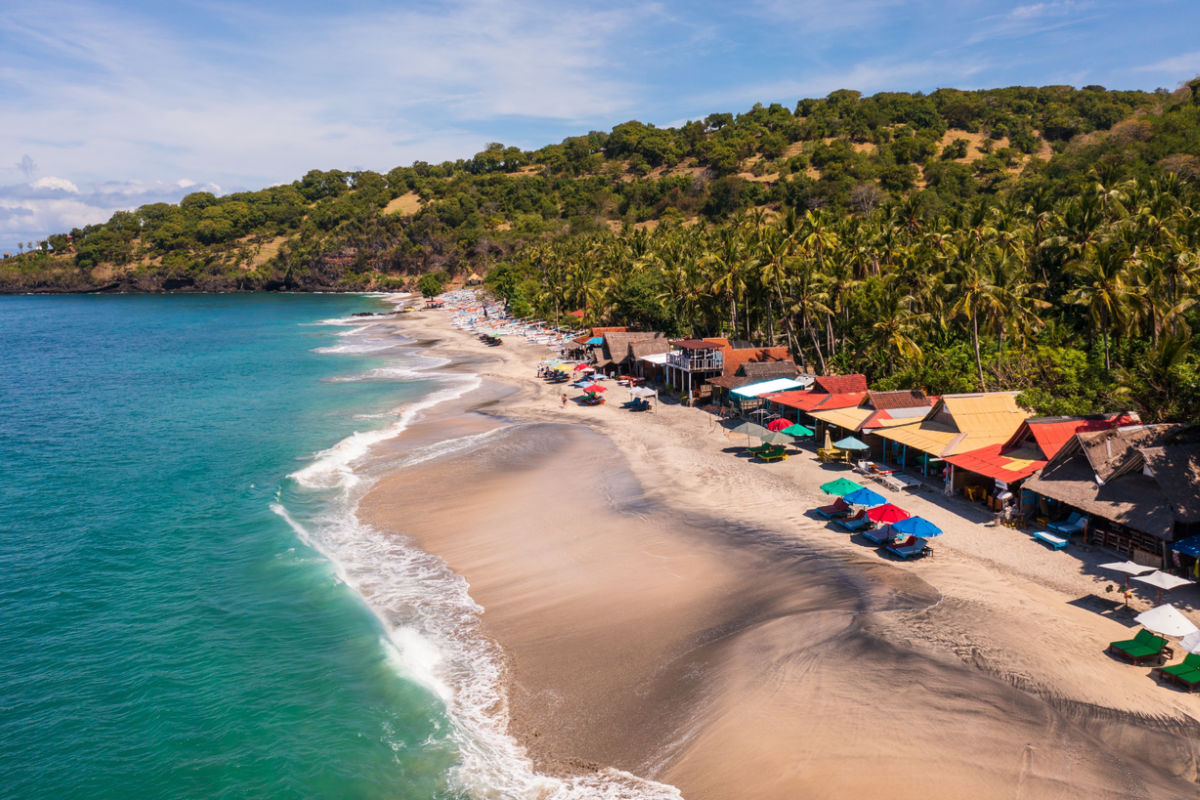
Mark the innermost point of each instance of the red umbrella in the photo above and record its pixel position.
(887, 513)
(592, 388)
(779, 424)
(580, 366)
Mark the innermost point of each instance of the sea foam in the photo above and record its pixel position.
(430, 622)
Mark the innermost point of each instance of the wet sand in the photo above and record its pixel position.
(665, 607)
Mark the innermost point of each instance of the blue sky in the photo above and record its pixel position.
(112, 105)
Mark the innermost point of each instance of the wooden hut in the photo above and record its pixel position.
(1138, 485)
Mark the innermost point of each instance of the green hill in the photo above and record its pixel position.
(1040, 238)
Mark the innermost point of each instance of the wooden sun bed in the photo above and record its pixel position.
(1185, 674)
(772, 453)
(1057, 542)
(1143, 647)
(858, 522)
(918, 547)
(838, 508)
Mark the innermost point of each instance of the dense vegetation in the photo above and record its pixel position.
(1035, 238)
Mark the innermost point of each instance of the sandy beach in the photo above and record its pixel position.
(667, 607)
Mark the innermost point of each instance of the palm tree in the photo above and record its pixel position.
(1103, 286)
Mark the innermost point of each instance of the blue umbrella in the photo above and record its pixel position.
(851, 443)
(864, 497)
(917, 526)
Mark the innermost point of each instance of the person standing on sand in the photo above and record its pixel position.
(564, 399)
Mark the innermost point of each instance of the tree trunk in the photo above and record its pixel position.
(978, 358)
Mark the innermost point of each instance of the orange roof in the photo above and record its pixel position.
(735, 357)
(988, 461)
(1051, 433)
(835, 384)
(808, 400)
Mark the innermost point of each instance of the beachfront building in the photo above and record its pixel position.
(956, 423)
(746, 365)
(1138, 486)
(649, 359)
(692, 362)
(826, 392)
(616, 351)
(875, 410)
(585, 345)
(995, 473)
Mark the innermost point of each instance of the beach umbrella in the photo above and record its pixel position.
(917, 526)
(797, 430)
(580, 366)
(1162, 580)
(840, 487)
(887, 513)
(1191, 642)
(592, 388)
(642, 391)
(749, 429)
(776, 437)
(1128, 567)
(778, 424)
(851, 443)
(1166, 621)
(864, 497)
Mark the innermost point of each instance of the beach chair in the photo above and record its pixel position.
(917, 547)
(1072, 525)
(838, 508)
(1057, 542)
(1143, 647)
(1186, 673)
(773, 453)
(858, 522)
(876, 535)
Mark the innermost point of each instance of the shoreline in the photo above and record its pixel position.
(758, 674)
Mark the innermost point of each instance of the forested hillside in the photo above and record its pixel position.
(1036, 238)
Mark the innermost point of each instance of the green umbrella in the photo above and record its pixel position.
(840, 487)
(797, 430)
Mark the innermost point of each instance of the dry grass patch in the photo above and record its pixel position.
(407, 204)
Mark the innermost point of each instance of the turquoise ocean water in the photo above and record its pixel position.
(188, 605)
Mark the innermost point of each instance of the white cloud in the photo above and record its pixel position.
(50, 182)
(114, 96)
(1032, 19)
(1184, 65)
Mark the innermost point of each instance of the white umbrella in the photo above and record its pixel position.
(1162, 580)
(1128, 567)
(1191, 642)
(1167, 621)
(642, 391)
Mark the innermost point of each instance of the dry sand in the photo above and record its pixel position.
(669, 608)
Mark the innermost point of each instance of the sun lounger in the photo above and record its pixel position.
(838, 508)
(918, 547)
(1057, 542)
(1143, 647)
(1186, 673)
(877, 535)
(1188, 680)
(772, 453)
(1072, 525)
(858, 522)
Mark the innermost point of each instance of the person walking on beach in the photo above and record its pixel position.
(564, 399)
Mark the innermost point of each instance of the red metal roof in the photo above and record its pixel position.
(988, 462)
(807, 400)
(1051, 433)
